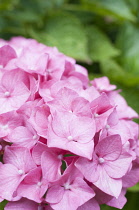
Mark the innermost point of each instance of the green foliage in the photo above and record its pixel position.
(127, 42)
(134, 188)
(2, 204)
(117, 9)
(100, 44)
(63, 30)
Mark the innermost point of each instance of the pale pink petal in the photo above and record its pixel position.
(108, 185)
(9, 180)
(13, 93)
(8, 122)
(6, 54)
(82, 129)
(109, 148)
(81, 107)
(122, 129)
(33, 186)
(84, 150)
(119, 167)
(37, 151)
(39, 119)
(102, 84)
(90, 169)
(50, 164)
(90, 93)
(23, 136)
(32, 64)
(19, 157)
(113, 118)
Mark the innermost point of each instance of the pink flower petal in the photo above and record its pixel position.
(107, 184)
(9, 179)
(21, 204)
(119, 167)
(109, 148)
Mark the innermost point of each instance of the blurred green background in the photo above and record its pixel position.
(102, 35)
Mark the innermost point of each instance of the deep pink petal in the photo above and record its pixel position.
(55, 194)
(118, 202)
(91, 204)
(132, 177)
(21, 204)
(101, 104)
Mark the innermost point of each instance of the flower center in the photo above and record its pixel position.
(7, 93)
(70, 138)
(49, 71)
(39, 184)
(35, 137)
(107, 126)
(20, 172)
(67, 186)
(96, 115)
(60, 157)
(101, 160)
(5, 127)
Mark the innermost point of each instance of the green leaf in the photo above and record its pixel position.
(100, 47)
(66, 33)
(134, 188)
(134, 5)
(113, 70)
(105, 207)
(117, 9)
(128, 43)
(3, 204)
(132, 201)
(8, 4)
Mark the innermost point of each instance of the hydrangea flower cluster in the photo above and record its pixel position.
(66, 142)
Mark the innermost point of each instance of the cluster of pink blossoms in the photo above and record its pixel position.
(67, 143)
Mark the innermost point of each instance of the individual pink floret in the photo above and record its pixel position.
(108, 165)
(70, 191)
(17, 163)
(13, 93)
(72, 133)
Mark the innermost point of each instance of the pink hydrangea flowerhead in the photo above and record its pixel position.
(65, 142)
